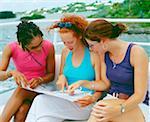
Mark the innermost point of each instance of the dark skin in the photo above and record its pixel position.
(20, 95)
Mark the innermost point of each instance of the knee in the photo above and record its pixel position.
(21, 114)
(18, 93)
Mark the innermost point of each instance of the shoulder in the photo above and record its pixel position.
(138, 53)
(48, 46)
(137, 50)
(7, 51)
(47, 43)
(11, 46)
(94, 57)
(65, 52)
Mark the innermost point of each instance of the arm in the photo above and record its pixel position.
(140, 77)
(4, 63)
(140, 87)
(50, 70)
(50, 66)
(62, 81)
(87, 100)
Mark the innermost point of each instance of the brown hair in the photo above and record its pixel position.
(103, 28)
(79, 24)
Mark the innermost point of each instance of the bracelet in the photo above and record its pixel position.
(8, 74)
(92, 85)
(122, 108)
(41, 79)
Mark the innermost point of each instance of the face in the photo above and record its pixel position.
(69, 40)
(35, 44)
(93, 45)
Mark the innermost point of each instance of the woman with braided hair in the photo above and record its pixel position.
(34, 59)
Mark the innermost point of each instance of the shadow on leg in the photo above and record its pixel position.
(21, 114)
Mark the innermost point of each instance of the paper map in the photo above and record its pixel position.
(77, 94)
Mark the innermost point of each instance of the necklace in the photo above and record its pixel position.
(114, 65)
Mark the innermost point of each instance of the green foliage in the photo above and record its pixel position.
(127, 9)
(7, 14)
(34, 16)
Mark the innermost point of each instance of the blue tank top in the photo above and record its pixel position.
(122, 75)
(85, 71)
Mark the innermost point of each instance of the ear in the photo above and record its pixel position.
(103, 40)
(80, 37)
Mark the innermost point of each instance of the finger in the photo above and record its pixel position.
(81, 105)
(62, 87)
(101, 103)
(71, 93)
(66, 85)
(98, 111)
(102, 119)
(58, 85)
(98, 116)
(17, 81)
(33, 83)
(83, 102)
(25, 81)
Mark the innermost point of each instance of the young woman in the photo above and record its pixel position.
(35, 64)
(126, 67)
(77, 64)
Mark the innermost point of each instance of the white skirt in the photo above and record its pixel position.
(52, 109)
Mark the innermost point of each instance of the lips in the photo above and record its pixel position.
(70, 48)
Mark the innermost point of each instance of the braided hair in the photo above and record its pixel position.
(26, 31)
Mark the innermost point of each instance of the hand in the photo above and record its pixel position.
(34, 82)
(85, 101)
(74, 86)
(62, 83)
(104, 112)
(19, 78)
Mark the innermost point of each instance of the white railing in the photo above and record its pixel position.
(125, 20)
(55, 34)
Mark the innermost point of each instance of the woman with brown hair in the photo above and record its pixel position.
(122, 62)
(78, 64)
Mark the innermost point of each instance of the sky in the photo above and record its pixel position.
(24, 5)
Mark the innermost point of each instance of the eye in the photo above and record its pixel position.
(70, 42)
(91, 45)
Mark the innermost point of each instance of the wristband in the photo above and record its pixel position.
(8, 74)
